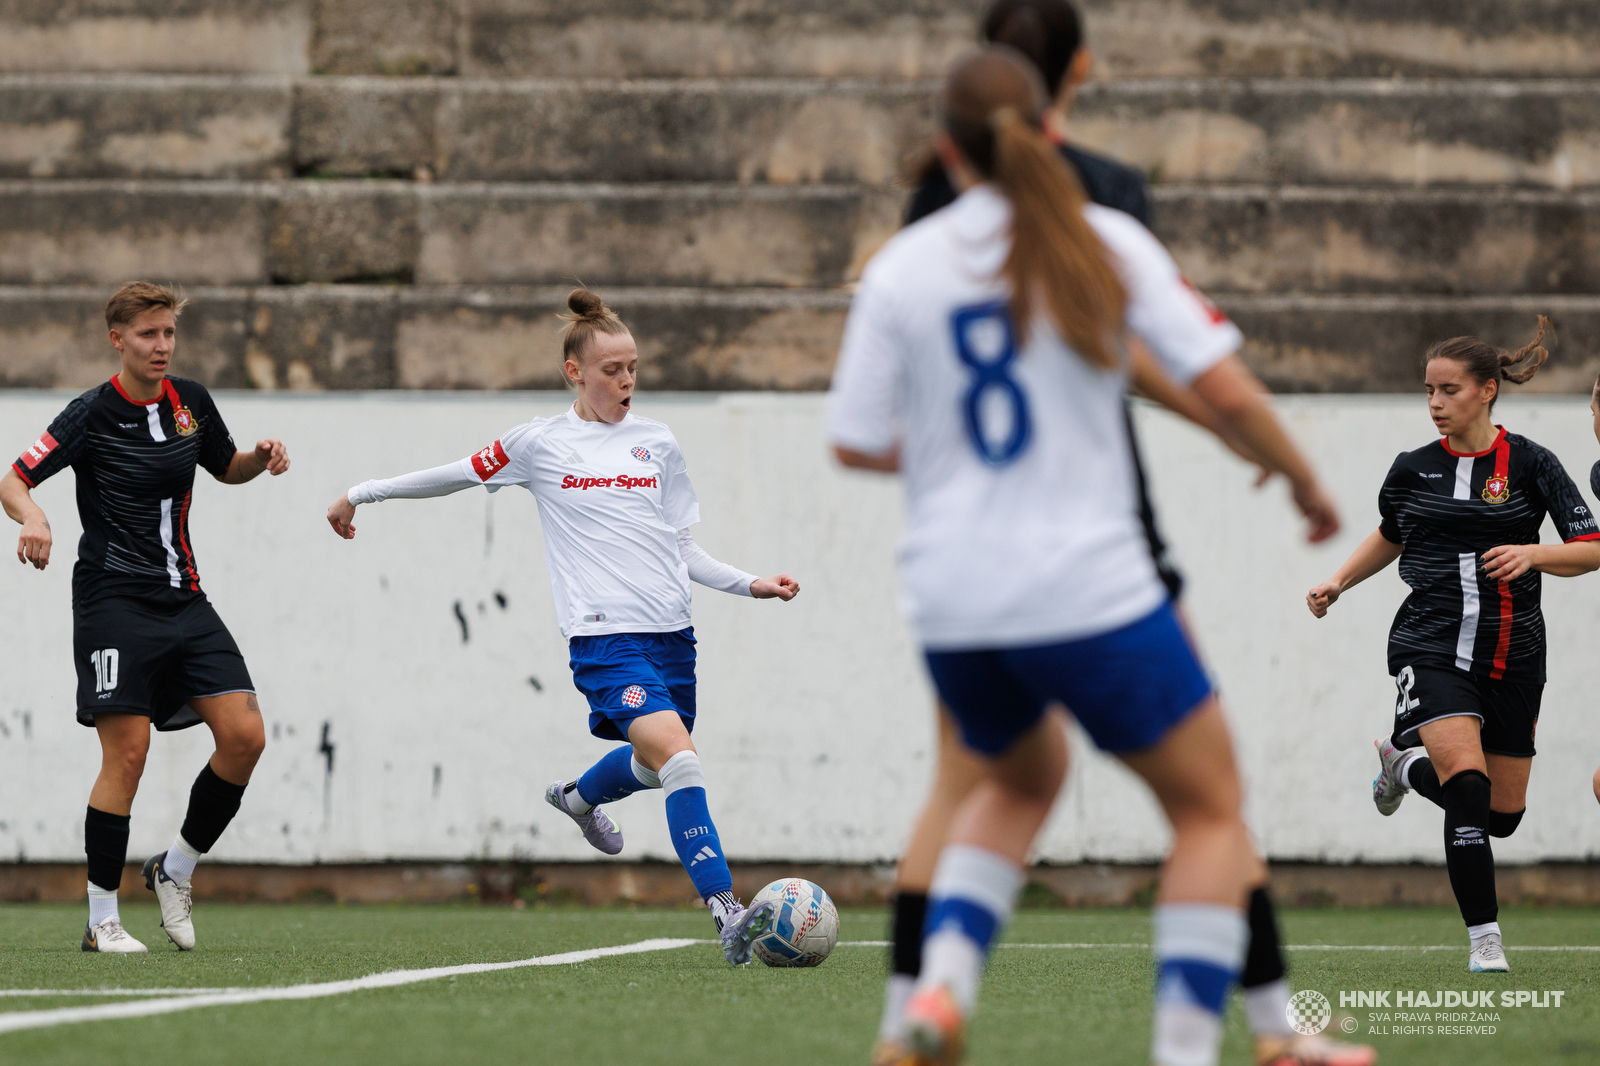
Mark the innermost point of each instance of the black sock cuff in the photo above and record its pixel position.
(1263, 960)
(905, 933)
(1468, 788)
(105, 846)
(212, 804)
(214, 787)
(1500, 824)
(105, 820)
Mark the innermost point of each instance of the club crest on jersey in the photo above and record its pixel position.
(1497, 489)
(633, 696)
(184, 421)
(642, 454)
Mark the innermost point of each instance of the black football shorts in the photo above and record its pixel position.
(1507, 711)
(138, 658)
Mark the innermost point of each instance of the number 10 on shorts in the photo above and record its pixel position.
(105, 669)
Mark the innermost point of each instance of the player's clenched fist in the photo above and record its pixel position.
(342, 516)
(782, 587)
(1322, 597)
(272, 455)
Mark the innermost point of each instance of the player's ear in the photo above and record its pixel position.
(1081, 67)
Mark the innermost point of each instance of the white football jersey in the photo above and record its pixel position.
(1023, 523)
(612, 497)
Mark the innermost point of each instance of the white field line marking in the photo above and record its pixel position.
(41, 1019)
(1291, 947)
(9, 992)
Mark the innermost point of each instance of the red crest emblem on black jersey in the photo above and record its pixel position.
(1497, 489)
(184, 421)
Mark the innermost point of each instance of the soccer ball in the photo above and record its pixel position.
(805, 924)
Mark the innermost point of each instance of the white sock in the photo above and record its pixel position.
(1478, 932)
(1405, 767)
(574, 802)
(644, 775)
(968, 882)
(1267, 1007)
(102, 904)
(895, 994)
(722, 906)
(1200, 950)
(180, 859)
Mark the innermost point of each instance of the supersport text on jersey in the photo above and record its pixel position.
(1023, 523)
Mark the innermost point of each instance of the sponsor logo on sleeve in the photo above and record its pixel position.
(1212, 311)
(490, 461)
(39, 450)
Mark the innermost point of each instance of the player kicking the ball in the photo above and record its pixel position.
(149, 647)
(985, 359)
(1467, 646)
(616, 505)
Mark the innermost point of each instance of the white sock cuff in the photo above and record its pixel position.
(644, 775)
(1477, 932)
(681, 771)
(989, 880)
(1206, 932)
(96, 892)
(186, 849)
(1267, 1008)
(1407, 761)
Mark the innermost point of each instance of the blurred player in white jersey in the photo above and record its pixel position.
(984, 358)
(616, 505)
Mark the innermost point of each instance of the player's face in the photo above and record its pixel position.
(607, 375)
(1455, 401)
(147, 344)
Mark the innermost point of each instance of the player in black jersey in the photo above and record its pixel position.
(1049, 33)
(1467, 646)
(149, 648)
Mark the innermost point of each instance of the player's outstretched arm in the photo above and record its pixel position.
(1239, 400)
(1375, 553)
(423, 484)
(269, 457)
(1151, 382)
(33, 546)
(704, 570)
(887, 463)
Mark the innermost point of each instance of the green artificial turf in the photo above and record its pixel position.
(685, 1005)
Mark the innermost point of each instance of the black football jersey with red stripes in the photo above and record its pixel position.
(134, 464)
(1447, 508)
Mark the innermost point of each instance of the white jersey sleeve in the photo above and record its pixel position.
(1186, 331)
(864, 400)
(680, 507)
(704, 570)
(500, 464)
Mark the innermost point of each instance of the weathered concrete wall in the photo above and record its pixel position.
(395, 650)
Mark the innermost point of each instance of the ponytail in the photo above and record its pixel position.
(993, 109)
(1485, 363)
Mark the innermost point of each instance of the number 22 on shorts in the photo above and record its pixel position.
(986, 343)
(1403, 681)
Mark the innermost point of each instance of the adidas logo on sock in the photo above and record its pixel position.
(703, 853)
(573, 460)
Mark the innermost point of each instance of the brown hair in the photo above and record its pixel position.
(589, 315)
(994, 102)
(1048, 32)
(1485, 363)
(137, 297)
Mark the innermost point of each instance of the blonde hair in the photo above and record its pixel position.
(994, 104)
(137, 297)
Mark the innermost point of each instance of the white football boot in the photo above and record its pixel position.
(177, 902)
(598, 828)
(1488, 956)
(109, 938)
(743, 927)
(1387, 788)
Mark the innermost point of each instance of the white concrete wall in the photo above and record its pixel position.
(815, 725)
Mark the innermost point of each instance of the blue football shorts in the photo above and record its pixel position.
(1127, 687)
(628, 675)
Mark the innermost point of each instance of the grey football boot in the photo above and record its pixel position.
(598, 828)
(742, 928)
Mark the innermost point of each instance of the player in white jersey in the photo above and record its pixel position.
(616, 505)
(984, 360)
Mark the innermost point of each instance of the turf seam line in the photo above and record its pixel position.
(12, 1022)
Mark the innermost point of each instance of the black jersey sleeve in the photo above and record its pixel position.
(216, 443)
(1391, 498)
(1563, 501)
(58, 447)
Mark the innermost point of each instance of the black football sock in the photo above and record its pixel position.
(1263, 958)
(1424, 780)
(1503, 825)
(212, 804)
(1467, 854)
(905, 933)
(105, 842)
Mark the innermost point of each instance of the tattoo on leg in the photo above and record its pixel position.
(250, 702)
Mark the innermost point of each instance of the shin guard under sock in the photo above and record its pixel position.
(694, 836)
(105, 842)
(909, 915)
(1467, 853)
(212, 804)
(1266, 992)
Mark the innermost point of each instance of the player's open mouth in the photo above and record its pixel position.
(626, 400)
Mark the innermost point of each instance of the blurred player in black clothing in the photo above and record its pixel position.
(1467, 647)
(1049, 33)
(148, 646)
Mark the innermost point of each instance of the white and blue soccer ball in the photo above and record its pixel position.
(805, 924)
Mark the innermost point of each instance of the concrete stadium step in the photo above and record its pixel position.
(1261, 239)
(229, 232)
(800, 38)
(1366, 131)
(379, 337)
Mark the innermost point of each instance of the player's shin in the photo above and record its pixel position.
(905, 957)
(1200, 949)
(105, 843)
(694, 835)
(616, 776)
(1264, 981)
(1467, 853)
(212, 804)
(971, 899)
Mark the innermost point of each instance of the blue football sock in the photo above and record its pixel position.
(694, 836)
(611, 779)
(970, 900)
(1200, 951)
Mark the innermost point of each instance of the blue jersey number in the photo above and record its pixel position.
(987, 344)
